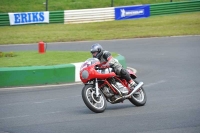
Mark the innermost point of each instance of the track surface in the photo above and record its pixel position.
(169, 67)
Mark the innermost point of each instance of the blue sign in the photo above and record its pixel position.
(132, 12)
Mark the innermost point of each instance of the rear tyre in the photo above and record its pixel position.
(95, 104)
(139, 98)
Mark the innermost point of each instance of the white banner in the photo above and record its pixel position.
(28, 17)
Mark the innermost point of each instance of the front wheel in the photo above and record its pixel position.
(95, 104)
(139, 98)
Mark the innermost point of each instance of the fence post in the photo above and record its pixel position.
(111, 3)
(46, 5)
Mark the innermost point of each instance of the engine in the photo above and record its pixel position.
(107, 92)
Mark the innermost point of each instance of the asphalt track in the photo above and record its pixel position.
(169, 67)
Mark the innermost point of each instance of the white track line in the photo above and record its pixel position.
(42, 86)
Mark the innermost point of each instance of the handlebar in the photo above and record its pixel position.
(97, 67)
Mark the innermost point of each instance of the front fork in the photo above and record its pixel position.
(97, 88)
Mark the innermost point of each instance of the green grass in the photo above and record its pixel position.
(55, 5)
(33, 58)
(156, 26)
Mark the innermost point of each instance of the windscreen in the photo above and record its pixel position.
(89, 62)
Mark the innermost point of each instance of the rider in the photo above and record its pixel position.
(107, 60)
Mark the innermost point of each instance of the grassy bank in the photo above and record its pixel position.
(33, 58)
(170, 25)
(53, 5)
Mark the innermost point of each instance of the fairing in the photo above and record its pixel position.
(88, 67)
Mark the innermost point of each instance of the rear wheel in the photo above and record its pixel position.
(95, 104)
(139, 98)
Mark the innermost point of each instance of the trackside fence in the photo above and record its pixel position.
(175, 7)
(89, 15)
(4, 19)
(56, 17)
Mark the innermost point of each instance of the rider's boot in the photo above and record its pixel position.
(132, 84)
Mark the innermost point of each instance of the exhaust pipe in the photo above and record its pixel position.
(127, 96)
(135, 89)
(117, 89)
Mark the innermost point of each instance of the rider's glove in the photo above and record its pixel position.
(104, 66)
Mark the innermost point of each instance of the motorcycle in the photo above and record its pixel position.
(101, 85)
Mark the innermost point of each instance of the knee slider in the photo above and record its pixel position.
(123, 72)
(125, 75)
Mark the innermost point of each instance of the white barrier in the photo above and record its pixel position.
(89, 15)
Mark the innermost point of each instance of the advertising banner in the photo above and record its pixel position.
(132, 12)
(28, 18)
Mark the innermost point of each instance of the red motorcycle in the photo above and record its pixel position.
(104, 84)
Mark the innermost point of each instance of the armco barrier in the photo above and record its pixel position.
(89, 15)
(175, 7)
(56, 16)
(41, 75)
(4, 19)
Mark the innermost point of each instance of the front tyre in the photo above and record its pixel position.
(139, 98)
(95, 104)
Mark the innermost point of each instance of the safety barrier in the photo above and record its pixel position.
(89, 15)
(175, 7)
(108, 14)
(36, 75)
(42, 75)
(4, 19)
(56, 16)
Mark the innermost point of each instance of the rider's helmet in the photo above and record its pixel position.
(96, 50)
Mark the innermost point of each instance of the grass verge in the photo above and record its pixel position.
(170, 25)
(33, 58)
